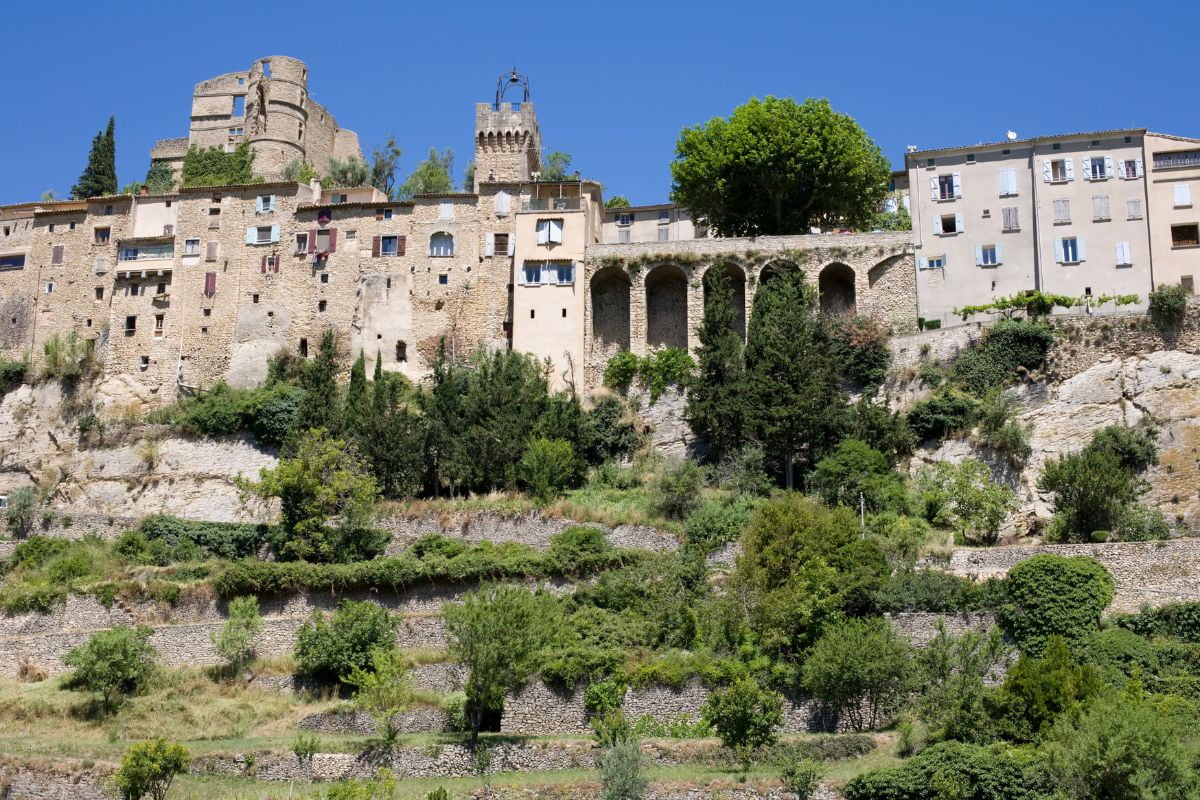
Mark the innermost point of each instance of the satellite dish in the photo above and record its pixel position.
(1012, 136)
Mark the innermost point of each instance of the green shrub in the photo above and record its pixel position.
(21, 511)
(671, 366)
(932, 590)
(12, 373)
(115, 662)
(717, 522)
(965, 496)
(622, 772)
(148, 769)
(1168, 304)
(235, 642)
(952, 770)
(941, 415)
(272, 413)
(801, 777)
(1134, 447)
(1006, 346)
(1119, 654)
(232, 540)
(330, 647)
(1000, 428)
(862, 669)
(614, 431)
(860, 347)
(605, 695)
(213, 166)
(1050, 595)
(579, 550)
(1037, 691)
(620, 371)
(883, 429)
(1175, 620)
(744, 472)
(548, 467)
(678, 489)
(745, 717)
(854, 472)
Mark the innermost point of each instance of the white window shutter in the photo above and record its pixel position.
(1183, 195)
(933, 188)
(1120, 248)
(1058, 249)
(958, 223)
(1081, 248)
(1121, 168)
(1047, 173)
(979, 255)
(556, 230)
(501, 203)
(999, 254)
(251, 235)
(1128, 253)
(1087, 169)
(274, 233)
(1070, 168)
(1139, 170)
(958, 184)
(489, 245)
(937, 225)
(1108, 166)
(512, 244)
(543, 231)
(258, 204)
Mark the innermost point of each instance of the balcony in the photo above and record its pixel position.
(552, 204)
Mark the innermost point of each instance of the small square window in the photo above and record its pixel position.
(207, 312)
(99, 292)
(103, 235)
(564, 313)
(946, 187)
(322, 305)
(145, 362)
(988, 255)
(49, 287)
(108, 209)
(130, 325)
(262, 234)
(388, 245)
(1006, 152)
(443, 279)
(1056, 146)
(1128, 140)
(1185, 235)
(929, 162)
(970, 158)
(203, 331)
(387, 213)
(301, 243)
(949, 224)
(324, 277)
(352, 233)
(254, 298)
(191, 247)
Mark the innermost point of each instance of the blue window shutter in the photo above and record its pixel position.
(1082, 250)
(272, 203)
(937, 226)
(251, 235)
(979, 255)
(959, 223)
(999, 254)
(274, 233)
(1058, 249)
(258, 205)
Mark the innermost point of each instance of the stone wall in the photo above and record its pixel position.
(531, 529)
(1145, 573)
(58, 780)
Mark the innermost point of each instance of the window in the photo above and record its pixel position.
(664, 234)
(262, 235)
(947, 187)
(130, 325)
(158, 325)
(970, 158)
(265, 203)
(1183, 195)
(210, 283)
(325, 216)
(1133, 209)
(99, 292)
(206, 312)
(1098, 168)
(387, 213)
(929, 163)
(49, 287)
(500, 244)
(211, 252)
(325, 241)
(935, 262)
(214, 218)
(352, 233)
(1185, 235)
(13, 262)
(168, 230)
(203, 330)
(160, 290)
(1124, 256)
(531, 274)
(324, 277)
(564, 274)
(948, 224)
(52, 227)
(102, 235)
(1058, 171)
(133, 290)
(664, 217)
(625, 218)
(254, 298)
(1130, 168)
(441, 245)
(303, 348)
(56, 254)
(301, 243)
(1008, 182)
(1180, 158)
(72, 225)
(322, 305)
(987, 255)
(1069, 250)
(1056, 146)
(1062, 211)
(401, 352)
(145, 362)
(191, 247)
(1100, 208)
(239, 105)
(549, 231)
(1188, 283)
(623, 236)
(387, 246)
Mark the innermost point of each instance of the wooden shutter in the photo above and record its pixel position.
(999, 254)
(274, 233)
(501, 203)
(332, 240)
(556, 230)
(1047, 172)
(251, 235)
(375, 246)
(1058, 249)
(1070, 164)
(979, 255)
(400, 245)
(1087, 169)
(312, 241)
(210, 283)
(264, 265)
(512, 244)
(56, 255)
(1108, 166)
(1121, 168)
(1183, 195)
(1139, 170)
(489, 244)
(211, 254)
(1080, 249)
(957, 184)
(933, 188)
(937, 225)
(959, 223)
(258, 204)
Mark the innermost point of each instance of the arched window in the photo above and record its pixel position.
(441, 244)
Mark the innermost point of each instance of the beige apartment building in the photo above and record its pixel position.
(665, 222)
(1083, 214)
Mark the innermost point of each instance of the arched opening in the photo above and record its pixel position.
(610, 308)
(836, 287)
(881, 270)
(773, 270)
(737, 285)
(666, 307)
(441, 245)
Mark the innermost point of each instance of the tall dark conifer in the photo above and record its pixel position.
(358, 402)
(319, 409)
(100, 175)
(716, 402)
(795, 407)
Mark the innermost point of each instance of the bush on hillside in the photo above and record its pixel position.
(1006, 346)
(115, 662)
(548, 467)
(1050, 595)
(861, 349)
(678, 489)
(942, 414)
(331, 647)
(953, 769)
(1168, 304)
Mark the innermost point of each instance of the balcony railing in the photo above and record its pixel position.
(153, 252)
(1172, 160)
(552, 204)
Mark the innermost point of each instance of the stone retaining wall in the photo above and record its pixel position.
(419, 719)
(531, 529)
(55, 781)
(1146, 573)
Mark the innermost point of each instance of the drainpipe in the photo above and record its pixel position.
(1145, 179)
(1037, 234)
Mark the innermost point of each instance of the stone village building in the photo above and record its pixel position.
(181, 291)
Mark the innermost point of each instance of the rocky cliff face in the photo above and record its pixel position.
(139, 470)
(1164, 385)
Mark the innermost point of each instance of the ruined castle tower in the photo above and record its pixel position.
(508, 144)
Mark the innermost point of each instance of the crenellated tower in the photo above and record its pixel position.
(508, 143)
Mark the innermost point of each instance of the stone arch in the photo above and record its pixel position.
(666, 307)
(610, 308)
(880, 270)
(774, 269)
(737, 282)
(836, 287)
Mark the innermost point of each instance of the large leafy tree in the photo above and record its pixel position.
(794, 404)
(556, 166)
(431, 176)
(383, 166)
(100, 175)
(715, 404)
(778, 167)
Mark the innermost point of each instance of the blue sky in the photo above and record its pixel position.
(613, 82)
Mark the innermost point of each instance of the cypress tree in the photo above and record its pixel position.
(795, 406)
(358, 403)
(319, 407)
(715, 403)
(100, 175)
(445, 407)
